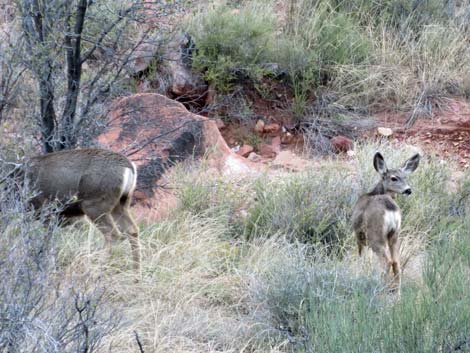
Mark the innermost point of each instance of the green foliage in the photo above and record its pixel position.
(232, 42)
(317, 39)
(428, 318)
(311, 207)
(207, 195)
(366, 55)
(398, 14)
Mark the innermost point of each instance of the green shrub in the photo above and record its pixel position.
(366, 55)
(312, 207)
(429, 318)
(208, 195)
(316, 40)
(232, 43)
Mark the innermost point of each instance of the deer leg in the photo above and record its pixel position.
(394, 250)
(361, 240)
(128, 227)
(104, 222)
(380, 250)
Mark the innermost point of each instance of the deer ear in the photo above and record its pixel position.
(411, 164)
(379, 164)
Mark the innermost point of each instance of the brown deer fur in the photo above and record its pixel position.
(96, 183)
(377, 218)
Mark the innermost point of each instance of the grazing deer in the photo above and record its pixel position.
(377, 218)
(93, 182)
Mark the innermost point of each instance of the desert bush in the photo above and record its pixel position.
(401, 15)
(316, 39)
(315, 206)
(324, 303)
(43, 307)
(232, 43)
(312, 207)
(431, 317)
(202, 192)
(286, 282)
(402, 54)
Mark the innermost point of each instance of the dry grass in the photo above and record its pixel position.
(206, 289)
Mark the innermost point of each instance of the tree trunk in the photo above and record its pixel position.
(48, 116)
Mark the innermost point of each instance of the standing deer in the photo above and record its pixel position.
(377, 218)
(93, 182)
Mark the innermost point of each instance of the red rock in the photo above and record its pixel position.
(182, 81)
(254, 157)
(266, 150)
(341, 143)
(156, 132)
(220, 124)
(270, 128)
(259, 127)
(288, 160)
(276, 144)
(245, 150)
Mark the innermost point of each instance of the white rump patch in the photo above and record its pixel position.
(129, 180)
(392, 221)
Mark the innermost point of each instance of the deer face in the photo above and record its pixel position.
(394, 180)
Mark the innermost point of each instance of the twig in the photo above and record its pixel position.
(17, 167)
(141, 348)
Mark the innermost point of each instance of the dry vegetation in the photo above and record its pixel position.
(274, 272)
(266, 264)
(339, 56)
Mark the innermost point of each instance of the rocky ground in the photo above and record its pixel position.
(156, 132)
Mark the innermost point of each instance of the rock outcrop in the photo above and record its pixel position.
(156, 132)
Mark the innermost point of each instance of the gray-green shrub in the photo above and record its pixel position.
(232, 42)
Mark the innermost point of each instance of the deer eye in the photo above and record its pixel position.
(393, 178)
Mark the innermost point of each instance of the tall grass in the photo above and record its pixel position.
(45, 307)
(428, 318)
(205, 288)
(398, 54)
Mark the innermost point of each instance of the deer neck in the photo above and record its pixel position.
(379, 189)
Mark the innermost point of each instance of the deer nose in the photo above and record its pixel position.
(407, 191)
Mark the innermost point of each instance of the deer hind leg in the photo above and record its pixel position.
(394, 253)
(127, 226)
(101, 217)
(380, 249)
(361, 242)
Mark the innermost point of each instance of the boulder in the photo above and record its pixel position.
(254, 157)
(173, 75)
(341, 144)
(220, 124)
(245, 150)
(384, 131)
(270, 128)
(290, 161)
(156, 132)
(266, 151)
(259, 127)
(142, 57)
(185, 82)
(276, 144)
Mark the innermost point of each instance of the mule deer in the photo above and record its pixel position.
(377, 218)
(93, 182)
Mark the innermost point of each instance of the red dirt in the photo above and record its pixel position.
(447, 133)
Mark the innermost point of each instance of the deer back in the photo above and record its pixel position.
(84, 173)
